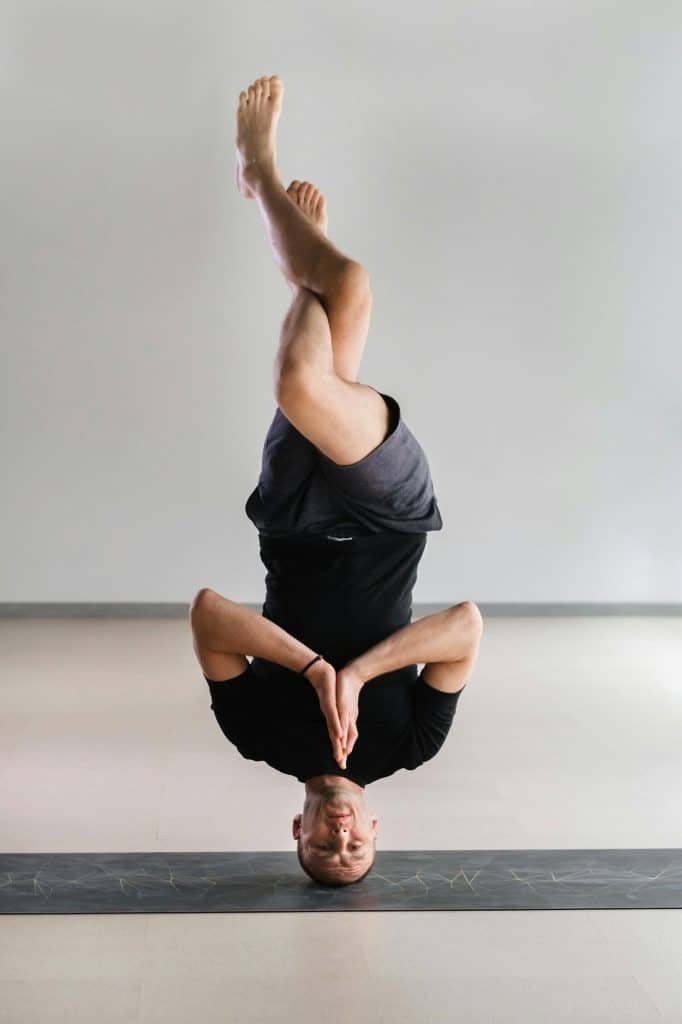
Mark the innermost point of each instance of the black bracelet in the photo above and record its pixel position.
(317, 658)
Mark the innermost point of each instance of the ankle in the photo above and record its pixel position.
(259, 175)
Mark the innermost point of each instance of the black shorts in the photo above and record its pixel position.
(301, 490)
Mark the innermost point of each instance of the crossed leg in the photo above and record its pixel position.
(325, 328)
(344, 419)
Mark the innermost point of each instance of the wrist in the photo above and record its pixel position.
(309, 664)
(317, 674)
(354, 672)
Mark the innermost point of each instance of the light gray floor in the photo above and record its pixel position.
(567, 736)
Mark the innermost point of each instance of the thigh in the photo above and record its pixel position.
(345, 419)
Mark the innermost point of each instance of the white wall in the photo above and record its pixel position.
(508, 173)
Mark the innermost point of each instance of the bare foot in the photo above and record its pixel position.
(258, 112)
(311, 201)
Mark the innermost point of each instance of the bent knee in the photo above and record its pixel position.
(349, 285)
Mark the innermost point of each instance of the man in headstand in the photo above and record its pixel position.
(343, 505)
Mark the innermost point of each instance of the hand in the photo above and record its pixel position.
(322, 676)
(348, 687)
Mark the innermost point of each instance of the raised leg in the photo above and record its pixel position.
(300, 247)
(344, 419)
(349, 315)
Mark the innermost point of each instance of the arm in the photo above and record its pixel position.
(229, 628)
(443, 642)
(445, 636)
(221, 625)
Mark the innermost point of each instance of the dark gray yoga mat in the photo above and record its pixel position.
(198, 883)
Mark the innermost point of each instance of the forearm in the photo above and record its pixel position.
(443, 636)
(228, 627)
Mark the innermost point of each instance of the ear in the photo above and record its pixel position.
(296, 825)
(374, 821)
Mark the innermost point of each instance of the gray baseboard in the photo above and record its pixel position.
(209, 883)
(171, 610)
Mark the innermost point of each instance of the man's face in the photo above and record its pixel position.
(336, 833)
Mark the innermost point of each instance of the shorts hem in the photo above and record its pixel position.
(396, 414)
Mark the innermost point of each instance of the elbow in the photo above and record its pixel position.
(200, 601)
